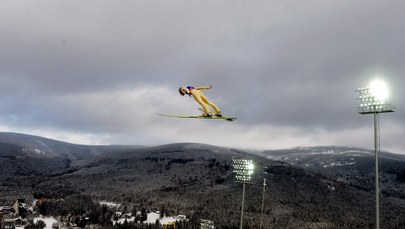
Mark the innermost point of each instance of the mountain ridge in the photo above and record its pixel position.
(37, 145)
(29, 154)
(197, 180)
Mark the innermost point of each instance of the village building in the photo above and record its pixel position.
(20, 207)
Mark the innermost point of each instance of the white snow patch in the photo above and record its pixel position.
(331, 188)
(38, 151)
(49, 221)
(153, 216)
(109, 204)
(334, 164)
(122, 220)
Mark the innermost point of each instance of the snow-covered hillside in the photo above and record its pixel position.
(34, 146)
(326, 156)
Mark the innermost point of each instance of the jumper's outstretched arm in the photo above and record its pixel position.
(204, 87)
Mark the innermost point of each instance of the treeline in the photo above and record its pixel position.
(78, 209)
(82, 210)
(53, 191)
(156, 225)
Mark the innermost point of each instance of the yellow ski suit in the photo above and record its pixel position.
(201, 99)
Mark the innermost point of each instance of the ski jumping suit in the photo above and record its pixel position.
(201, 99)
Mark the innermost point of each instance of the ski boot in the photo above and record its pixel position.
(218, 114)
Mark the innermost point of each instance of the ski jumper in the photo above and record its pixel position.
(201, 99)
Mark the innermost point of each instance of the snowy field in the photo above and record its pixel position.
(152, 217)
(48, 221)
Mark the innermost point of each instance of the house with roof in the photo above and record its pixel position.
(20, 207)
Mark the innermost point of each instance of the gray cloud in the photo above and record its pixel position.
(99, 70)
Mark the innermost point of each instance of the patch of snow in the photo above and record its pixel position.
(331, 188)
(49, 221)
(153, 216)
(334, 164)
(38, 151)
(109, 204)
(122, 220)
(309, 152)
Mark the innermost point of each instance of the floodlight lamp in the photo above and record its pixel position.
(251, 167)
(379, 90)
(243, 170)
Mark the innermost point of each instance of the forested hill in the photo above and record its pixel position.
(22, 154)
(197, 180)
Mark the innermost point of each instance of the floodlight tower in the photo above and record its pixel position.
(372, 101)
(262, 208)
(243, 170)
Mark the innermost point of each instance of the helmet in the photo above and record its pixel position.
(181, 91)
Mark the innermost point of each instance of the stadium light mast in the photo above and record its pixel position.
(243, 170)
(372, 101)
(262, 208)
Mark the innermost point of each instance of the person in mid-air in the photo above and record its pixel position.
(201, 99)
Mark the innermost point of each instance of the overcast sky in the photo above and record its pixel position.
(97, 71)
